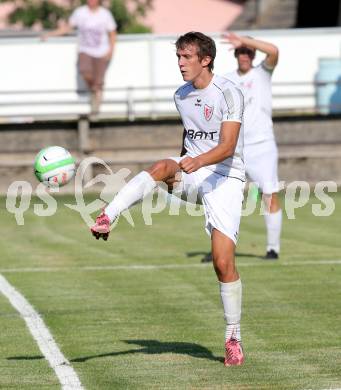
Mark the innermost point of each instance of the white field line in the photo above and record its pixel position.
(146, 267)
(61, 366)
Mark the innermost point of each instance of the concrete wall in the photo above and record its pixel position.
(309, 148)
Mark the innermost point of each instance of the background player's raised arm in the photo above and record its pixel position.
(238, 41)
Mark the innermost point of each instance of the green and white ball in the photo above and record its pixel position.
(54, 166)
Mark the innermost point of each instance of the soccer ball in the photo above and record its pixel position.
(54, 166)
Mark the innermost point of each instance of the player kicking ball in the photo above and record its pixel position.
(211, 109)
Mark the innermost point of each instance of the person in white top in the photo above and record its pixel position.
(96, 28)
(260, 151)
(211, 172)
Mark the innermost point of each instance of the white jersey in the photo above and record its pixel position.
(93, 28)
(256, 87)
(202, 112)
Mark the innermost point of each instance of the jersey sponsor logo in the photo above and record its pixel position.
(198, 103)
(208, 112)
(192, 134)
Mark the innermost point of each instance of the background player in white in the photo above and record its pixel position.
(211, 108)
(260, 150)
(96, 41)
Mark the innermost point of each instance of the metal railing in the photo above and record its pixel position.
(133, 103)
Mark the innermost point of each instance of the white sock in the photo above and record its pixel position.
(231, 297)
(273, 222)
(135, 190)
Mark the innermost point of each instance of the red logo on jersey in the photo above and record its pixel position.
(208, 112)
(247, 85)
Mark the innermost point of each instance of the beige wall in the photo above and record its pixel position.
(176, 16)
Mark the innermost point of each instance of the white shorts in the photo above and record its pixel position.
(261, 162)
(221, 196)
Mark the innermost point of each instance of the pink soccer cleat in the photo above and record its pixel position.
(101, 227)
(233, 353)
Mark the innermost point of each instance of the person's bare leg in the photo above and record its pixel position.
(100, 66)
(96, 101)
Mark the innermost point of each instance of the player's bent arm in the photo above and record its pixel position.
(183, 149)
(229, 133)
(268, 48)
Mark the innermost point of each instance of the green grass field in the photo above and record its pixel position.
(141, 311)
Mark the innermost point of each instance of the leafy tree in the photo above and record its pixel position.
(30, 12)
(127, 21)
(48, 14)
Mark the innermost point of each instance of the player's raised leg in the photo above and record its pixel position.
(223, 254)
(133, 192)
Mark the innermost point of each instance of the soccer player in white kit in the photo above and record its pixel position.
(211, 109)
(260, 150)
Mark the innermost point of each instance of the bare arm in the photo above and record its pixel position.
(229, 133)
(62, 30)
(268, 48)
(112, 43)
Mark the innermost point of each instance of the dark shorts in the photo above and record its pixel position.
(92, 68)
